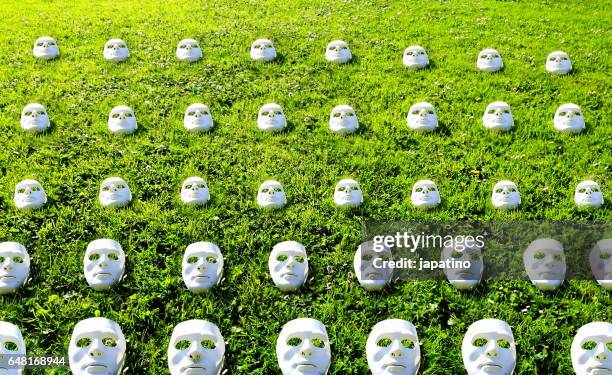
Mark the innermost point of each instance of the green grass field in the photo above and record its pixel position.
(71, 160)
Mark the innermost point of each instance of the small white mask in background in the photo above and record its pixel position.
(463, 278)
(198, 118)
(116, 50)
(303, 348)
(393, 348)
(271, 195)
(188, 50)
(29, 195)
(569, 119)
(544, 261)
(348, 193)
(34, 118)
(288, 264)
(195, 191)
(588, 194)
(202, 266)
(489, 60)
(422, 117)
(122, 120)
(415, 57)
(600, 260)
(558, 62)
(103, 263)
(338, 52)
(14, 267)
(505, 195)
(263, 50)
(371, 272)
(271, 118)
(114, 192)
(45, 48)
(343, 119)
(196, 347)
(97, 346)
(498, 116)
(425, 194)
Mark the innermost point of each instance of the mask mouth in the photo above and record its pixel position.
(289, 275)
(7, 277)
(394, 367)
(374, 276)
(489, 367)
(200, 277)
(465, 275)
(103, 275)
(95, 368)
(270, 199)
(305, 366)
(599, 370)
(194, 369)
(547, 275)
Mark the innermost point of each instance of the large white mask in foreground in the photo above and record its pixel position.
(195, 191)
(463, 278)
(122, 120)
(343, 119)
(489, 60)
(45, 48)
(302, 348)
(425, 194)
(196, 348)
(505, 195)
(371, 272)
(114, 192)
(263, 50)
(29, 195)
(348, 193)
(288, 264)
(592, 349)
(558, 62)
(393, 348)
(600, 260)
(14, 267)
(415, 57)
(588, 194)
(544, 261)
(338, 52)
(271, 195)
(11, 344)
(188, 50)
(103, 264)
(569, 119)
(488, 348)
(422, 117)
(97, 346)
(116, 50)
(198, 118)
(34, 118)
(271, 118)
(202, 266)
(498, 116)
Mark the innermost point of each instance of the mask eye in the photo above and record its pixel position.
(583, 190)
(201, 186)
(264, 113)
(39, 44)
(300, 259)
(430, 112)
(192, 260)
(350, 114)
(294, 341)
(51, 43)
(419, 189)
(499, 190)
(188, 187)
(367, 257)
(183, 46)
(558, 257)
(383, 343)
(122, 46)
(431, 188)
(506, 111)
(109, 341)
(2, 259)
(474, 256)
(106, 188)
(539, 255)
(191, 113)
(415, 112)
(28, 113)
(341, 188)
(129, 114)
(562, 113)
(208, 344)
(115, 115)
(491, 111)
(601, 256)
(277, 112)
(211, 259)
(408, 344)
(277, 189)
(337, 114)
(35, 188)
(11, 346)
(83, 342)
(265, 190)
(318, 343)
(182, 345)
(94, 256)
(479, 342)
(281, 258)
(113, 256)
(609, 345)
(21, 191)
(18, 259)
(120, 186)
(589, 345)
(456, 254)
(344, 47)
(512, 189)
(564, 58)
(503, 343)
(354, 188)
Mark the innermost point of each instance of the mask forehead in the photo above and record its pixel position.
(498, 105)
(270, 107)
(33, 107)
(201, 249)
(28, 184)
(112, 42)
(505, 184)
(598, 331)
(13, 248)
(288, 247)
(196, 327)
(11, 331)
(270, 184)
(121, 109)
(587, 184)
(488, 326)
(488, 51)
(424, 184)
(415, 49)
(95, 327)
(337, 43)
(343, 108)
(44, 39)
(193, 180)
(567, 107)
(113, 181)
(302, 327)
(557, 54)
(395, 326)
(260, 42)
(422, 105)
(190, 42)
(197, 107)
(346, 182)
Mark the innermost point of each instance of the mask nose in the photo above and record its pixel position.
(396, 351)
(195, 355)
(307, 349)
(188, 47)
(291, 264)
(8, 267)
(95, 351)
(45, 44)
(202, 267)
(601, 354)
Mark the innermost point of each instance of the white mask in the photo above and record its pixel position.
(303, 348)
(122, 120)
(198, 118)
(338, 52)
(600, 260)
(11, 344)
(114, 192)
(588, 194)
(489, 60)
(591, 349)
(195, 191)
(14, 267)
(348, 193)
(488, 348)
(288, 264)
(29, 194)
(188, 50)
(271, 118)
(544, 261)
(45, 48)
(343, 119)
(196, 348)
(558, 62)
(415, 57)
(116, 50)
(569, 119)
(422, 117)
(463, 278)
(97, 346)
(393, 348)
(103, 263)
(505, 195)
(425, 194)
(263, 50)
(34, 118)
(202, 266)
(271, 195)
(366, 258)
(498, 116)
